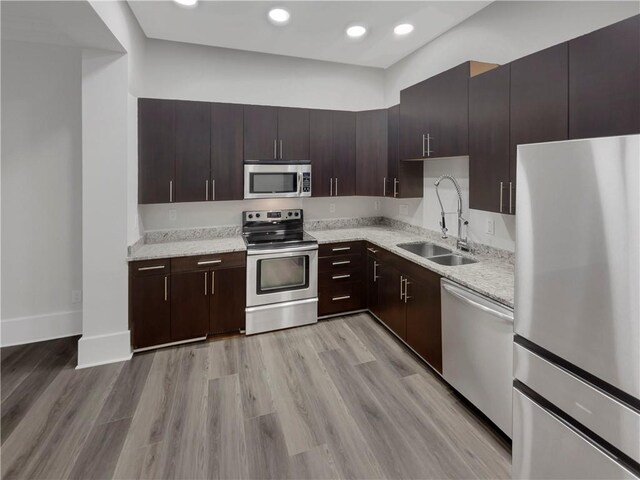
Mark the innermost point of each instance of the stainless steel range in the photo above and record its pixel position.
(282, 270)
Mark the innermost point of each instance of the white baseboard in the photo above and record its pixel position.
(102, 349)
(37, 328)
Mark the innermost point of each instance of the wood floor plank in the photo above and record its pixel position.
(14, 407)
(254, 381)
(227, 454)
(351, 454)
(125, 395)
(290, 398)
(17, 363)
(266, 447)
(223, 356)
(314, 464)
(389, 445)
(99, 456)
(348, 341)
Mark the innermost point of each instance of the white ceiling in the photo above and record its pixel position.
(316, 29)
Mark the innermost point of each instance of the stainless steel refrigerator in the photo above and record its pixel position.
(576, 395)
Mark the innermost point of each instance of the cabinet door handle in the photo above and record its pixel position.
(213, 283)
(344, 297)
(375, 272)
(340, 249)
(384, 186)
(213, 189)
(395, 187)
(343, 262)
(510, 197)
(338, 277)
(429, 152)
(166, 287)
(401, 286)
(331, 187)
(336, 186)
(170, 191)
(155, 267)
(206, 189)
(501, 186)
(280, 149)
(424, 139)
(206, 290)
(275, 149)
(372, 250)
(209, 262)
(406, 290)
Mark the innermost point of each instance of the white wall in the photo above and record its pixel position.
(41, 191)
(213, 214)
(502, 32)
(192, 72)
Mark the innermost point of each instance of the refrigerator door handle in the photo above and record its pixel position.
(507, 318)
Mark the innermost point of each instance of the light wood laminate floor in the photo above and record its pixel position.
(339, 399)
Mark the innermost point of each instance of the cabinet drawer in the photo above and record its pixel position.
(342, 248)
(340, 263)
(329, 278)
(208, 262)
(340, 298)
(145, 268)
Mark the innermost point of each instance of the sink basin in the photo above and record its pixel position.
(424, 249)
(452, 260)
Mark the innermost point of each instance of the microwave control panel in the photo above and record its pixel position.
(306, 182)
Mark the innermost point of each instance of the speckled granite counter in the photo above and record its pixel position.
(492, 276)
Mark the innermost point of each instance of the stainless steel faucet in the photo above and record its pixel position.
(462, 243)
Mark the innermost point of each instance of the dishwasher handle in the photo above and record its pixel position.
(502, 316)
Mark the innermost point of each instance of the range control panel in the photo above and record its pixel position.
(271, 216)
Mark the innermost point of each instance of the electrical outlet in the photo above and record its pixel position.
(490, 228)
(376, 204)
(76, 296)
(173, 215)
(332, 208)
(404, 209)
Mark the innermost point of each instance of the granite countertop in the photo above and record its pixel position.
(492, 276)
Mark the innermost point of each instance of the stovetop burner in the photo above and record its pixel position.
(274, 229)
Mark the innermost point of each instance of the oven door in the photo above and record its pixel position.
(276, 180)
(282, 275)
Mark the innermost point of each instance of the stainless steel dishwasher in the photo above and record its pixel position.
(477, 351)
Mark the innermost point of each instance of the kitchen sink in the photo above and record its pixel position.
(424, 249)
(452, 260)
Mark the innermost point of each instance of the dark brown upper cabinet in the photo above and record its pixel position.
(227, 169)
(272, 133)
(404, 179)
(604, 81)
(192, 146)
(332, 151)
(260, 132)
(539, 103)
(434, 114)
(489, 141)
(371, 152)
(156, 151)
(293, 134)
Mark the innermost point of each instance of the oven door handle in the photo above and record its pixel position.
(274, 251)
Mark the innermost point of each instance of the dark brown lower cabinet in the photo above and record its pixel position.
(149, 310)
(340, 278)
(189, 305)
(227, 300)
(373, 285)
(391, 303)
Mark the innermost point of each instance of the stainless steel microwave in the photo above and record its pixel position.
(276, 180)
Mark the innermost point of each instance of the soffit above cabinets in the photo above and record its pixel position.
(316, 29)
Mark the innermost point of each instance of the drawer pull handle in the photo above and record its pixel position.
(155, 267)
(372, 250)
(344, 297)
(343, 262)
(338, 277)
(340, 249)
(209, 262)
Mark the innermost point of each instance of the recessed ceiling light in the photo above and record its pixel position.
(279, 16)
(356, 31)
(403, 29)
(186, 3)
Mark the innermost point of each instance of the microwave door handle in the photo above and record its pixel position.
(299, 183)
